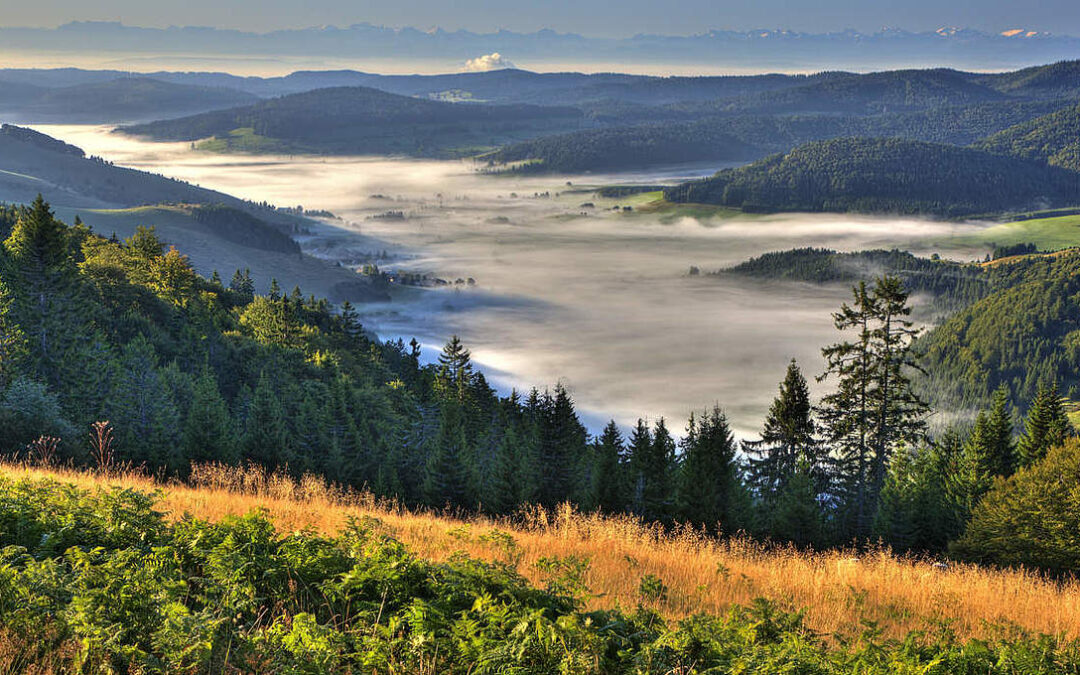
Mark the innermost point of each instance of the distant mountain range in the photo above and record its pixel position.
(763, 49)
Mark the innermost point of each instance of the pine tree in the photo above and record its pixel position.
(498, 489)
(914, 511)
(265, 439)
(48, 302)
(209, 434)
(455, 369)
(787, 440)
(1045, 427)
(708, 473)
(142, 409)
(873, 410)
(795, 514)
(998, 435)
(563, 442)
(609, 476)
(658, 471)
(12, 340)
(445, 471)
(639, 448)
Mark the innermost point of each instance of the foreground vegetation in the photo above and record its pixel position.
(104, 573)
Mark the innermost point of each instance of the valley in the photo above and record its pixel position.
(617, 281)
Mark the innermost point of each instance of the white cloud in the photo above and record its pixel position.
(494, 61)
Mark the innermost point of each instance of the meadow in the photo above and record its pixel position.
(839, 592)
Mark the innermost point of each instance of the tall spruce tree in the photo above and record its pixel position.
(873, 409)
(48, 301)
(12, 340)
(610, 486)
(142, 409)
(658, 473)
(265, 437)
(639, 450)
(787, 440)
(446, 471)
(708, 473)
(1045, 426)
(209, 435)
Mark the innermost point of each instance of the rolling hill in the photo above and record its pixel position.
(1053, 138)
(116, 100)
(885, 176)
(217, 230)
(747, 137)
(366, 121)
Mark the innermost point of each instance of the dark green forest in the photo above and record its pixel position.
(1053, 138)
(367, 121)
(885, 176)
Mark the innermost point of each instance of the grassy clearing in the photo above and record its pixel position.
(243, 140)
(1047, 233)
(838, 590)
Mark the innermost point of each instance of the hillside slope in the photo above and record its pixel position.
(112, 101)
(621, 552)
(364, 120)
(1053, 138)
(885, 176)
(230, 233)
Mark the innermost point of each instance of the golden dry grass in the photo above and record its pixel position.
(837, 591)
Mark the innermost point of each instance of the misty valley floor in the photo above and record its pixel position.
(595, 298)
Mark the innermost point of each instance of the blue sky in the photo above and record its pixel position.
(589, 17)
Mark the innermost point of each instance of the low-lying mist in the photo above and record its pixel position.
(602, 302)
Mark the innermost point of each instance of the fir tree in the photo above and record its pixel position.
(142, 409)
(445, 472)
(658, 471)
(12, 340)
(708, 473)
(873, 410)
(264, 433)
(208, 431)
(795, 515)
(1045, 426)
(787, 440)
(640, 449)
(48, 302)
(914, 511)
(609, 476)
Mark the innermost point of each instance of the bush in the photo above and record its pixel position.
(29, 410)
(1031, 518)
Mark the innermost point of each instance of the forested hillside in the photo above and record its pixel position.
(363, 120)
(885, 176)
(111, 101)
(1053, 138)
(744, 137)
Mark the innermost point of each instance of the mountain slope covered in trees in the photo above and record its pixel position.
(745, 137)
(218, 230)
(112, 101)
(365, 120)
(885, 176)
(1053, 138)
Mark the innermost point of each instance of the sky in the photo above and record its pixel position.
(588, 17)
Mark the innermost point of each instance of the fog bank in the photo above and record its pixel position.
(601, 302)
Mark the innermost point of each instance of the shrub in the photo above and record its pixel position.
(1031, 518)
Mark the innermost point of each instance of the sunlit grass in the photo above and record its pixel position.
(1046, 233)
(839, 590)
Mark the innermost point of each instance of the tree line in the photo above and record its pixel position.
(186, 369)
